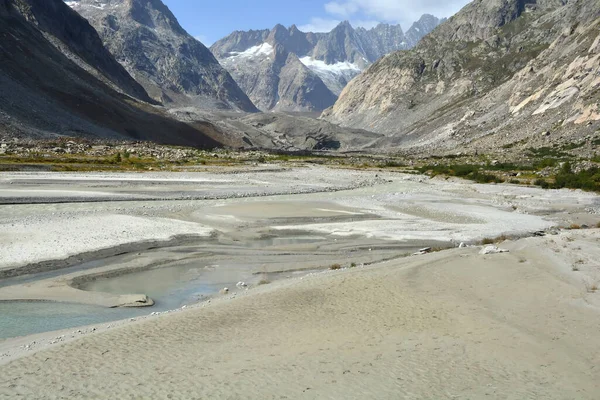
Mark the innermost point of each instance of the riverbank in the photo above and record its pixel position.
(369, 321)
(443, 325)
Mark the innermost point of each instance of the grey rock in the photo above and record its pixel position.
(174, 67)
(492, 250)
(48, 89)
(284, 69)
(497, 73)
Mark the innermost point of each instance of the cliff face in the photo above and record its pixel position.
(47, 87)
(498, 72)
(173, 67)
(284, 69)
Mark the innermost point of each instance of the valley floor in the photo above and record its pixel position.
(449, 324)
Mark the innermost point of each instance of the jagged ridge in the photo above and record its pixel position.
(328, 61)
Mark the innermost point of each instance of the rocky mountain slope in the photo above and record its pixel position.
(500, 73)
(56, 79)
(173, 67)
(284, 69)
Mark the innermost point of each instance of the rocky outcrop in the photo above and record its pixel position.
(173, 67)
(499, 72)
(80, 42)
(48, 89)
(327, 61)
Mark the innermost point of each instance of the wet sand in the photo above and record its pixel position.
(452, 324)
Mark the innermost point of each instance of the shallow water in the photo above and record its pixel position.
(204, 269)
(20, 318)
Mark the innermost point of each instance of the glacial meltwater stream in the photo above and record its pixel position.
(187, 274)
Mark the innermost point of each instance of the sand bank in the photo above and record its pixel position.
(453, 324)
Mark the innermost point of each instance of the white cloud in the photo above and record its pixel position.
(394, 11)
(319, 25)
(343, 10)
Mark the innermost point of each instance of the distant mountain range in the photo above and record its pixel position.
(284, 69)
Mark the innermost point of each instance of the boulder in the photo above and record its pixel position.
(492, 250)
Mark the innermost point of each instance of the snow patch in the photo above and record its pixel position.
(320, 67)
(264, 49)
(98, 4)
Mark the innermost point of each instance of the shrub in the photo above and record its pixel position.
(586, 180)
(335, 267)
(545, 163)
(542, 183)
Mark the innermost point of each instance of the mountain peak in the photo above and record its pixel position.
(344, 25)
(139, 32)
(331, 59)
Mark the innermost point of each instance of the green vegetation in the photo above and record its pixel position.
(391, 164)
(588, 180)
(467, 171)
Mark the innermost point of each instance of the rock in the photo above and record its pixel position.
(425, 250)
(242, 285)
(224, 291)
(284, 69)
(462, 245)
(134, 300)
(492, 250)
(186, 73)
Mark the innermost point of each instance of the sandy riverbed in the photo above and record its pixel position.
(453, 324)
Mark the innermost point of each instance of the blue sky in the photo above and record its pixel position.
(212, 20)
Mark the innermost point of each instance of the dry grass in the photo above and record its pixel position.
(263, 282)
(592, 287)
(499, 239)
(574, 226)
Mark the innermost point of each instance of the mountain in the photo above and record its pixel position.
(173, 67)
(57, 79)
(497, 74)
(284, 69)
